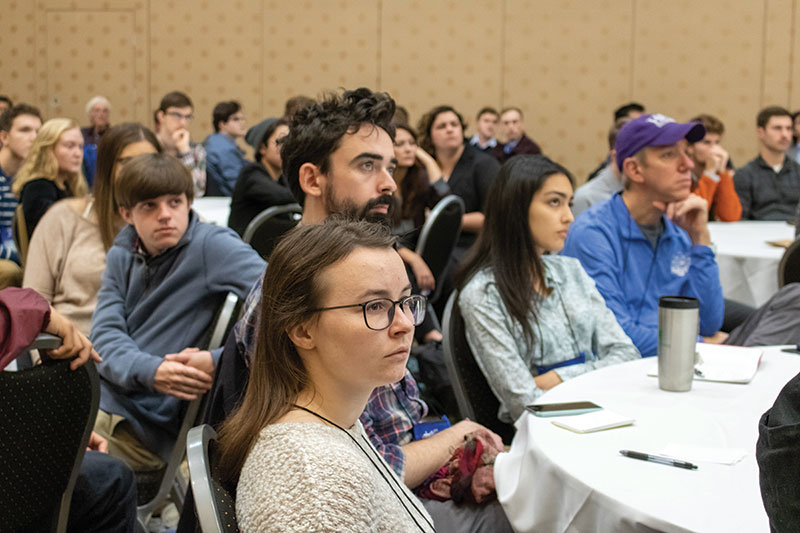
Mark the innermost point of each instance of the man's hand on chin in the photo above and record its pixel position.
(690, 214)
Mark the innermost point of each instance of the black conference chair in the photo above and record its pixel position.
(789, 267)
(438, 237)
(19, 231)
(475, 398)
(46, 414)
(264, 231)
(215, 506)
(154, 487)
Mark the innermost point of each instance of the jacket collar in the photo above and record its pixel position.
(628, 227)
(764, 164)
(129, 239)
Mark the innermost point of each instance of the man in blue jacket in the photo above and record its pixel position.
(652, 239)
(165, 277)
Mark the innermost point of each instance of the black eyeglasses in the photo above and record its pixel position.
(379, 313)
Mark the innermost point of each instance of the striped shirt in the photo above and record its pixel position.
(8, 204)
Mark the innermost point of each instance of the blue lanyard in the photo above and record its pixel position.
(576, 361)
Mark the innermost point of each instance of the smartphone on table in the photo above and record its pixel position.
(563, 409)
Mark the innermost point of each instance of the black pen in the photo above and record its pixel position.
(658, 459)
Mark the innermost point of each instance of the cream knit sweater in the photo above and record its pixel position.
(307, 476)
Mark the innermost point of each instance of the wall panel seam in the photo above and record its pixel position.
(632, 65)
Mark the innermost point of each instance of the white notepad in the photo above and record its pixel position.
(596, 421)
(728, 364)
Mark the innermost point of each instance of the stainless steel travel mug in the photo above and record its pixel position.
(678, 326)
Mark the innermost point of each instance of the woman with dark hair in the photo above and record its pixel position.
(337, 320)
(533, 319)
(419, 187)
(467, 171)
(67, 255)
(261, 184)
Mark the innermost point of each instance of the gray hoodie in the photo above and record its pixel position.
(148, 307)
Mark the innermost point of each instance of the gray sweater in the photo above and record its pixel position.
(572, 319)
(148, 307)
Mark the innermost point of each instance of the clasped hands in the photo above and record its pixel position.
(187, 374)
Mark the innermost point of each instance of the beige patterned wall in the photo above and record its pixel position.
(567, 64)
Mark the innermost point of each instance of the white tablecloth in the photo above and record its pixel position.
(748, 266)
(553, 480)
(214, 209)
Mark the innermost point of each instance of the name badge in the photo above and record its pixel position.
(426, 428)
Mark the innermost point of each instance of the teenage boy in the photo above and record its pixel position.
(174, 115)
(712, 180)
(225, 158)
(165, 277)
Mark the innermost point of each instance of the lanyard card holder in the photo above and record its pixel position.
(430, 426)
(576, 361)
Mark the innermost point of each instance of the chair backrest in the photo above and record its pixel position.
(227, 316)
(19, 231)
(438, 237)
(46, 414)
(474, 396)
(215, 506)
(264, 231)
(789, 267)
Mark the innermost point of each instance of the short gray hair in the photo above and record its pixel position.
(97, 100)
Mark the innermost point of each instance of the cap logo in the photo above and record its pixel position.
(659, 120)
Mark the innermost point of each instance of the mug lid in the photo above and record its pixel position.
(678, 302)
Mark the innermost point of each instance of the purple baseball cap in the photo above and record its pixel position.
(654, 130)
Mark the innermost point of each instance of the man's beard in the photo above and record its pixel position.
(347, 208)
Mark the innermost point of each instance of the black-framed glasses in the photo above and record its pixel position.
(379, 312)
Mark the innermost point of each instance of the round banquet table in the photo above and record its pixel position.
(555, 480)
(748, 266)
(213, 209)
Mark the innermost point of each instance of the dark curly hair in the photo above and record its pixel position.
(315, 131)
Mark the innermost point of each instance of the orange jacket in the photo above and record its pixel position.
(723, 202)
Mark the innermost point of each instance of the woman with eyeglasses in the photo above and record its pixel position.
(67, 255)
(532, 318)
(337, 320)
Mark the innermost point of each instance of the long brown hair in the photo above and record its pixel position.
(291, 291)
(505, 244)
(413, 186)
(115, 140)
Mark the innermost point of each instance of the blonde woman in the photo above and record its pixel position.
(67, 256)
(51, 171)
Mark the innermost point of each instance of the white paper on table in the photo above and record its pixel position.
(728, 364)
(594, 421)
(724, 456)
